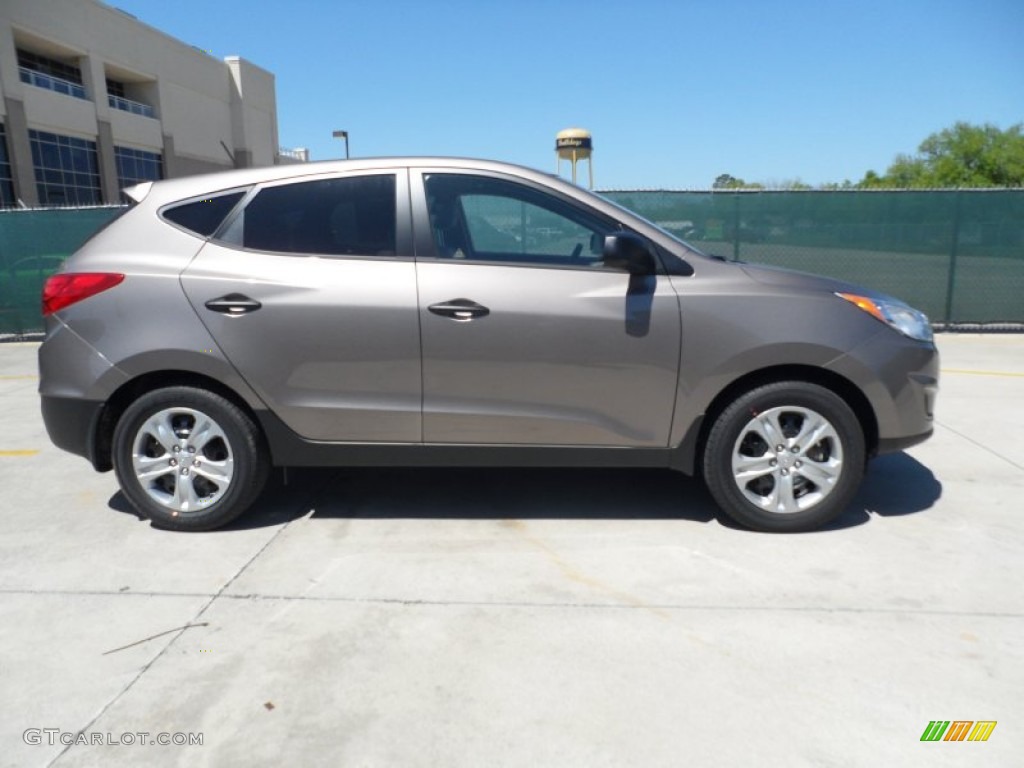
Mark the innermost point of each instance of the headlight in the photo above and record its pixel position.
(907, 320)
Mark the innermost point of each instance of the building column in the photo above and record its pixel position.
(170, 160)
(109, 183)
(94, 78)
(19, 148)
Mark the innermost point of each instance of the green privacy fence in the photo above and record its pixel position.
(33, 244)
(957, 255)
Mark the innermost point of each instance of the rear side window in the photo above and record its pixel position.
(203, 216)
(333, 217)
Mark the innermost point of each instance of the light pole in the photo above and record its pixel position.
(342, 135)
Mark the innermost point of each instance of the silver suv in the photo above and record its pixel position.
(435, 311)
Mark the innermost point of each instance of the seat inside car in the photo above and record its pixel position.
(449, 231)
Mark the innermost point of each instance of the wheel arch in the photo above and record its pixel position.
(837, 384)
(102, 438)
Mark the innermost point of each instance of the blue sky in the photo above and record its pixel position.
(674, 93)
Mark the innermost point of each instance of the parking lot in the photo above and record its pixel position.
(400, 617)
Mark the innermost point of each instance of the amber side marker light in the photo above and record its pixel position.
(67, 288)
(911, 322)
(864, 303)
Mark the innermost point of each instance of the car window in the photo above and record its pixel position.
(333, 217)
(203, 216)
(486, 219)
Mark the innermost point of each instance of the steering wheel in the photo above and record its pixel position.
(577, 251)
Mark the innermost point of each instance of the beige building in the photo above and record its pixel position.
(93, 100)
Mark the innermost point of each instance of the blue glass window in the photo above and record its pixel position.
(136, 165)
(6, 180)
(67, 169)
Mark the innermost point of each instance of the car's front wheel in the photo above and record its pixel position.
(785, 457)
(188, 459)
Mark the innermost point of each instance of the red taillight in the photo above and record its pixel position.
(67, 288)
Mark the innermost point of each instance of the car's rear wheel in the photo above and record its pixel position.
(188, 459)
(785, 457)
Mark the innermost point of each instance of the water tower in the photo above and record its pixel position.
(574, 144)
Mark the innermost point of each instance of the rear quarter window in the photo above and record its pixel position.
(350, 216)
(202, 217)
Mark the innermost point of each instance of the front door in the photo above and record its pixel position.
(528, 338)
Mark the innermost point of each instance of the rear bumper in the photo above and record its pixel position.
(71, 424)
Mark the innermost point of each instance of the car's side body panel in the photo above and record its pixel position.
(142, 326)
(334, 349)
(565, 357)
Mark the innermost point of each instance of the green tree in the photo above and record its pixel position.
(789, 184)
(962, 156)
(832, 186)
(728, 181)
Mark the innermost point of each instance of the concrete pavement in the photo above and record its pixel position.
(521, 617)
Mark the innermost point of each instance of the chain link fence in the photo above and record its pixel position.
(957, 255)
(33, 244)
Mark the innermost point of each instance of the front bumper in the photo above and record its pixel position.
(900, 378)
(894, 444)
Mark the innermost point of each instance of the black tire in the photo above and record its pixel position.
(209, 483)
(789, 490)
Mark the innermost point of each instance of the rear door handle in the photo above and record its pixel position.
(461, 310)
(233, 304)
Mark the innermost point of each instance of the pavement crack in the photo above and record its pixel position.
(306, 501)
(984, 447)
(668, 607)
(154, 637)
(429, 603)
(98, 592)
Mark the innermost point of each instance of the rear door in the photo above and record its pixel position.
(528, 338)
(310, 291)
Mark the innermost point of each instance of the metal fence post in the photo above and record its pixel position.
(736, 226)
(954, 241)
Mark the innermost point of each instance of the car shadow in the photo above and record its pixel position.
(277, 504)
(473, 494)
(503, 493)
(896, 484)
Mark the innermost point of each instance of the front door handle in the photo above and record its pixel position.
(233, 304)
(461, 310)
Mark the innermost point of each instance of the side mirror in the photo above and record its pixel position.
(628, 252)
